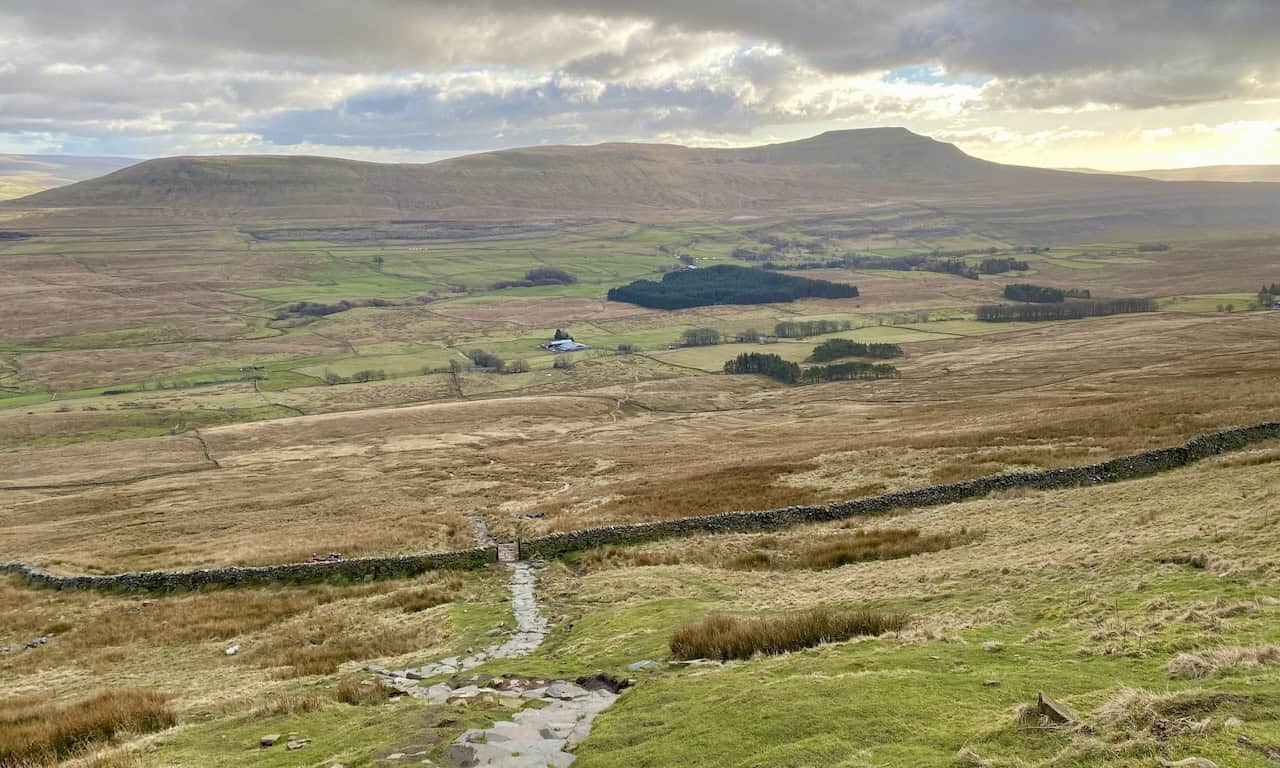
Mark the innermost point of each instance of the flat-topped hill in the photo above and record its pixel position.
(857, 171)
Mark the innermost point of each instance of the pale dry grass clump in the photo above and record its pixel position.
(319, 643)
(723, 637)
(36, 733)
(775, 553)
(1216, 660)
(1134, 709)
(290, 703)
(361, 691)
(421, 598)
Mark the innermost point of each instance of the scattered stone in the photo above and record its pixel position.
(296, 744)
(562, 690)
(993, 646)
(233, 650)
(991, 683)
(493, 632)
(269, 740)
(648, 665)
(1190, 762)
(1054, 711)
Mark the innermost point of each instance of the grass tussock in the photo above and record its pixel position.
(1211, 662)
(880, 544)
(34, 733)
(773, 553)
(361, 692)
(295, 703)
(319, 647)
(428, 596)
(723, 637)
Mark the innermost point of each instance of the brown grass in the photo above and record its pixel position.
(880, 544)
(1211, 662)
(772, 553)
(723, 637)
(708, 491)
(35, 734)
(429, 596)
(319, 645)
(290, 703)
(361, 691)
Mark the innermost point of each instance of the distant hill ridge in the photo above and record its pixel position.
(837, 170)
(27, 174)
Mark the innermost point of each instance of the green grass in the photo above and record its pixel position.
(890, 703)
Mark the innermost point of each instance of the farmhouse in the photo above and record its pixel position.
(565, 345)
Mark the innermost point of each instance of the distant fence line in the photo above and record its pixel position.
(554, 545)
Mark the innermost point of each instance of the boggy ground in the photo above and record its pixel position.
(403, 479)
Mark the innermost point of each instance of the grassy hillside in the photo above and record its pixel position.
(871, 170)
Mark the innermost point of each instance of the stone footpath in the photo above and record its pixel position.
(533, 738)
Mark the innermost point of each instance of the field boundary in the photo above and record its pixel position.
(1124, 468)
(555, 545)
(354, 569)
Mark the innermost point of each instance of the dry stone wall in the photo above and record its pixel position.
(355, 569)
(1124, 468)
(556, 544)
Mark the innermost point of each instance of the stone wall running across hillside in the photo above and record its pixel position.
(1124, 468)
(355, 569)
(556, 544)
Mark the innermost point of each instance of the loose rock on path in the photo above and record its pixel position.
(533, 738)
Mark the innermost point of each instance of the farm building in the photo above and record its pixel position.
(565, 345)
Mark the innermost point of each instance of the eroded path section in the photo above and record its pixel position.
(534, 737)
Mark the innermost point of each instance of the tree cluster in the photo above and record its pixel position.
(320, 309)
(767, 364)
(330, 377)
(1071, 310)
(702, 337)
(1269, 295)
(848, 372)
(919, 262)
(538, 276)
(1038, 294)
(834, 349)
(726, 284)
(799, 329)
(788, 372)
(997, 266)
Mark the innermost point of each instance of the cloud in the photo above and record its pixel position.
(440, 76)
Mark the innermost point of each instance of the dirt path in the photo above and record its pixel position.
(533, 737)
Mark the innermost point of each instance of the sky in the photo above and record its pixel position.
(1114, 85)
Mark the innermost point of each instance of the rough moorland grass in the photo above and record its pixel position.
(1211, 662)
(879, 544)
(361, 691)
(719, 636)
(35, 734)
